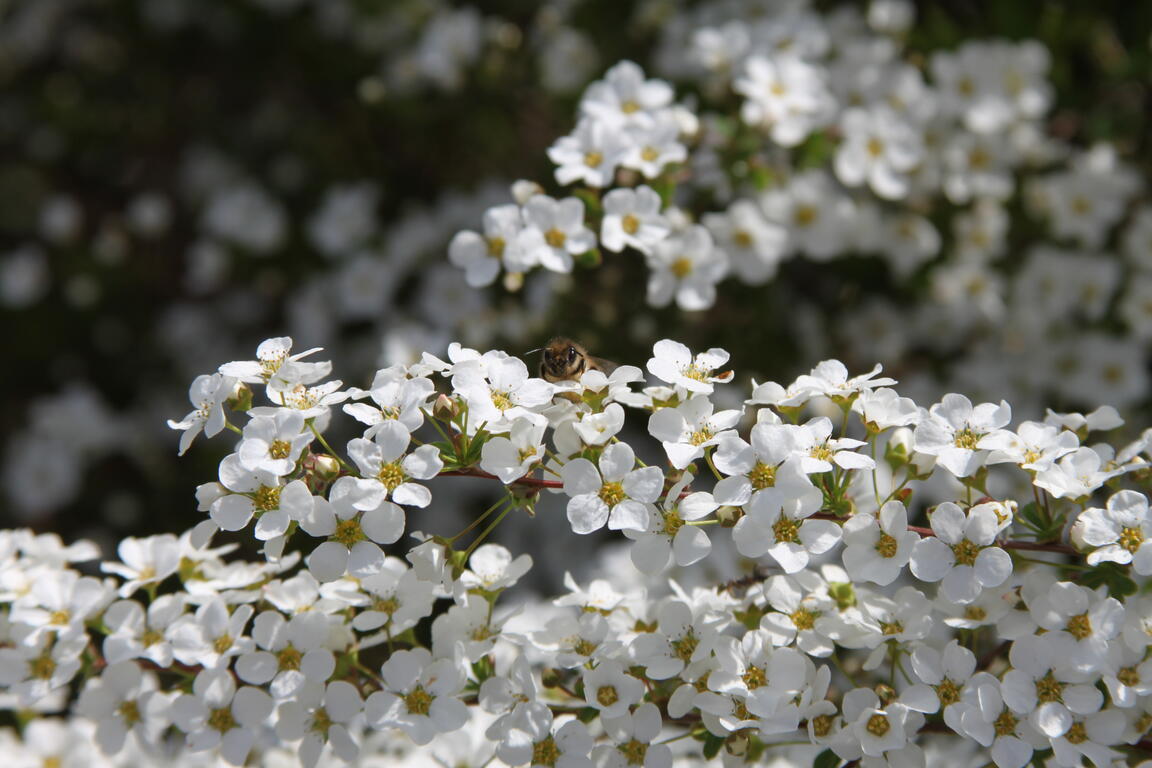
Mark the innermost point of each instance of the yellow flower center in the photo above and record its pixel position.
(742, 238)
(496, 246)
(804, 215)
(1005, 724)
(419, 701)
(948, 692)
(762, 476)
(348, 532)
(612, 493)
(279, 449)
(886, 545)
(545, 752)
(878, 725)
(222, 643)
(634, 752)
(289, 658)
(875, 147)
(893, 627)
(321, 720)
(701, 436)
(682, 267)
(821, 453)
(967, 439)
(630, 224)
(1131, 539)
(629, 106)
(965, 552)
(606, 695)
(501, 400)
(1079, 626)
(804, 619)
(786, 529)
(59, 617)
(672, 523)
(1128, 675)
(1077, 734)
(755, 678)
(386, 605)
(975, 613)
(391, 475)
(649, 154)
(129, 712)
(151, 637)
(822, 725)
(685, 647)
(555, 238)
(221, 720)
(42, 667)
(593, 159)
(266, 498)
(1048, 689)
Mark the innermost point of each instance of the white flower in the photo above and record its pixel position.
(632, 219)
(624, 97)
(491, 568)
(673, 363)
(144, 561)
(34, 670)
(481, 256)
(398, 599)
(784, 95)
(565, 745)
(883, 409)
(944, 678)
(615, 494)
(554, 232)
(668, 531)
(1079, 624)
(686, 266)
(777, 524)
(274, 443)
(217, 715)
(689, 428)
(961, 553)
(879, 148)
(1122, 533)
(599, 428)
(323, 714)
(355, 519)
(511, 458)
(816, 452)
(1033, 445)
(633, 734)
(1076, 474)
(123, 700)
(877, 550)
(291, 653)
(954, 432)
(498, 390)
(275, 363)
(133, 634)
(590, 154)
(386, 473)
(654, 146)
(258, 493)
(830, 379)
(419, 696)
(609, 688)
(213, 636)
(397, 398)
(801, 602)
(207, 394)
(754, 245)
(1043, 689)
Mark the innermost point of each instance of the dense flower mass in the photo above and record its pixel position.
(1011, 628)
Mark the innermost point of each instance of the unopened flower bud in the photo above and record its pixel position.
(445, 408)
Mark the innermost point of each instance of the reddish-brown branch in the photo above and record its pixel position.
(527, 480)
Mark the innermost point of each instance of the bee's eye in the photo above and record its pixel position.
(571, 354)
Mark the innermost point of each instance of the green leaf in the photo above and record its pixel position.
(826, 759)
(1111, 575)
(712, 744)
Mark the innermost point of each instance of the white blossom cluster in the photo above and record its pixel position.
(1012, 628)
(818, 135)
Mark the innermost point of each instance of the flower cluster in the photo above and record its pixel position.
(1010, 628)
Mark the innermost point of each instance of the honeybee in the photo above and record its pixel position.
(565, 360)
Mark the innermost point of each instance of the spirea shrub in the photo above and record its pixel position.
(1010, 624)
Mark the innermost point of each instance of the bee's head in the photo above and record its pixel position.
(561, 358)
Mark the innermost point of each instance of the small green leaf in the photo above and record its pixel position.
(1111, 575)
(712, 744)
(826, 759)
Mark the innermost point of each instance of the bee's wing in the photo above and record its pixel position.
(600, 364)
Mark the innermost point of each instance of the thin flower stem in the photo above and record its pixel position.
(481, 518)
(484, 534)
(327, 447)
(527, 480)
